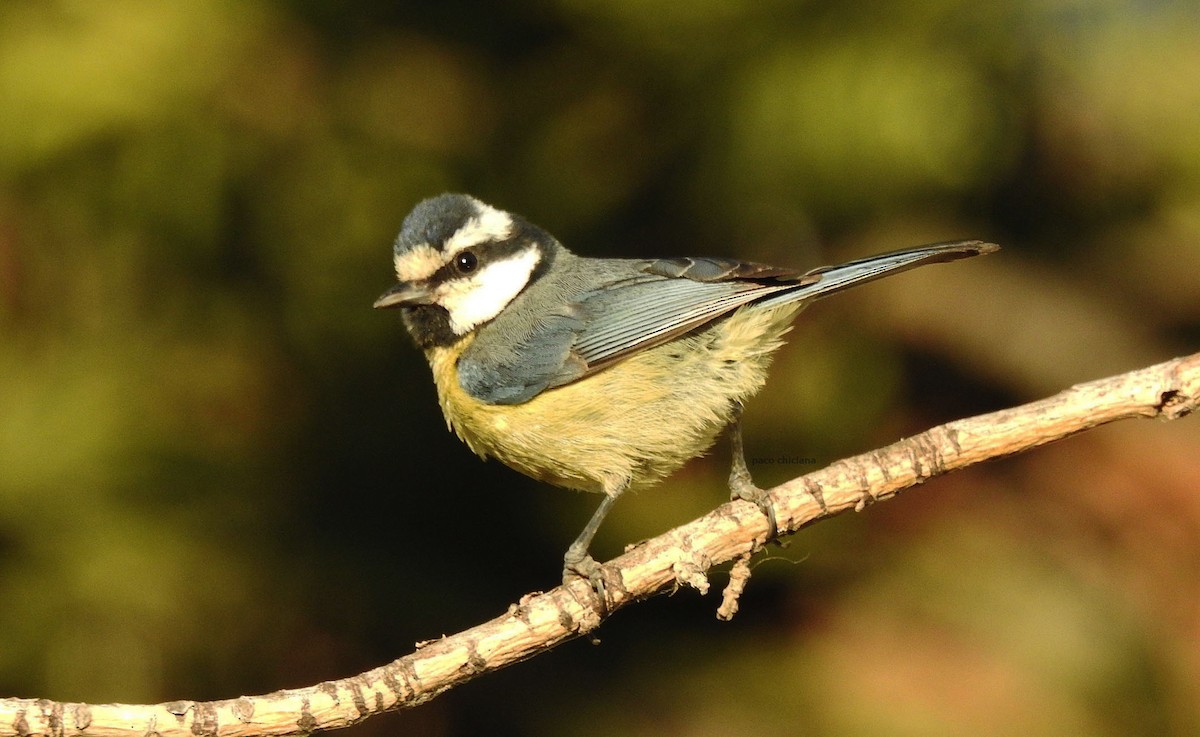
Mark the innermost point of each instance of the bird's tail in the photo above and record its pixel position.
(836, 278)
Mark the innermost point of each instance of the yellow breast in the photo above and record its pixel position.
(630, 424)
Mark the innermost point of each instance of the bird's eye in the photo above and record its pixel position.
(465, 262)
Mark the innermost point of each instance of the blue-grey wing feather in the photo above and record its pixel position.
(607, 322)
(641, 304)
(542, 361)
(599, 327)
(827, 280)
(710, 269)
(633, 317)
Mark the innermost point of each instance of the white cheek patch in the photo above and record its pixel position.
(480, 298)
(418, 263)
(488, 225)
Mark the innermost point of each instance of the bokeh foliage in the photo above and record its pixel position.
(221, 473)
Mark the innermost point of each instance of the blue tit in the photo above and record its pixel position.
(601, 375)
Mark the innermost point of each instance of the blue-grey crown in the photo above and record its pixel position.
(434, 220)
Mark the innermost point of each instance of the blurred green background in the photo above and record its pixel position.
(222, 473)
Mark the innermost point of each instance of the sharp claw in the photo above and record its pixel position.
(578, 565)
(762, 500)
(769, 510)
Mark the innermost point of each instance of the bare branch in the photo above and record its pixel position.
(682, 556)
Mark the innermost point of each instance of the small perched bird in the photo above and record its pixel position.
(601, 375)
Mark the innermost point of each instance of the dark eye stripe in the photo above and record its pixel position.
(483, 254)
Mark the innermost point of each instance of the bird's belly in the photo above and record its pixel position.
(630, 424)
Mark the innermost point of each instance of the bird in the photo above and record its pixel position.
(600, 374)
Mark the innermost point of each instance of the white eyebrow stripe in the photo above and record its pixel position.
(423, 260)
(489, 224)
(418, 263)
(471, 302)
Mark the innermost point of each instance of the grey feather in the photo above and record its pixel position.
(633, 317)
(543, 360)
(587, 314)
(708, 269)
(836, 278)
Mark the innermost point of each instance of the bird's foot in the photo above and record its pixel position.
(577, 564)
(743, 488)
(741, 484)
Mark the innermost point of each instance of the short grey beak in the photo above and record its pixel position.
(404, 294)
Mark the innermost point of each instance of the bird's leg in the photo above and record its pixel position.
(578, 563)
(741, 485)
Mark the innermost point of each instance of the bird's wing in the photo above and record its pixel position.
(655, 307)
(657, 301)
(654, 302)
